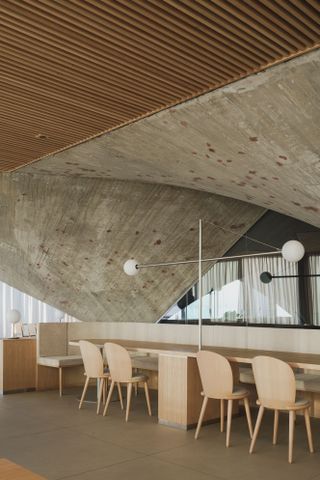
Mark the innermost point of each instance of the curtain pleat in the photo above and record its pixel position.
(276, 302)
(314, 267)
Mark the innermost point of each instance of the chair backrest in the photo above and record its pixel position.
(92, 359)
(119, 362)
(275, 382)
(215, 373)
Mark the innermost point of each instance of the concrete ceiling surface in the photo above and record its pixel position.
(256, 140)
(64, 240)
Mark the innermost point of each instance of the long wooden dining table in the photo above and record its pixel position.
(179, 385)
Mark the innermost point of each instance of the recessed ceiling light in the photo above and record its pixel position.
(41, 136)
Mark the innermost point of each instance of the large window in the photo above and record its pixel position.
(233, 293)
(276, 302)
(31, 309)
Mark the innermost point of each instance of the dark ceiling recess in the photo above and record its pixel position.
(275, 229)
(73, 69)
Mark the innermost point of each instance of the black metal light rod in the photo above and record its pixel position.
(266, 277)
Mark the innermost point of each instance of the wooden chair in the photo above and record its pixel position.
(276, 388)
(94, 368)
(120, 366)
(106, 370)
(217, 382)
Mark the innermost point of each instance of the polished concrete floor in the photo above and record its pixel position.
(52, 437)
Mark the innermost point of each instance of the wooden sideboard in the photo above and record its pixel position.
(17, 364)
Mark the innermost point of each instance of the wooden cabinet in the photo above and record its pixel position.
(17, 364)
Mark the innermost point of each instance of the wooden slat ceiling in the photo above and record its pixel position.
(71, 69)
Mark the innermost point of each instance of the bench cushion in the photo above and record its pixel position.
(145, 362)
(308, 382)
(58, 361)
(305, 382)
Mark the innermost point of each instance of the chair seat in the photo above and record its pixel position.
(139, 378)
(300, 404)
(238, 393)
(105, 375)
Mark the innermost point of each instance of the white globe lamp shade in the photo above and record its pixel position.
(13, 316)
(293, 251)
(130, 267)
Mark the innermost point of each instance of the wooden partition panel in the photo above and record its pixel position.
(179, 393)
(265, 338)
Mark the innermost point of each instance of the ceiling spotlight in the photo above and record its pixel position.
(41, 136)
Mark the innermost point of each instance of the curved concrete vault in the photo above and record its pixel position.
(64, 240)
(256, 140)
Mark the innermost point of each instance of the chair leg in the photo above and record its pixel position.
(229, 419)
(60, 381)
(146, 391)
(275, 427)
(120, 395)
(86, 383)
(101, 389)
(308, 428)
(292, 418)
(256, 428)
(248, 414)
(129, 392)
(221, 415)
(105, 382)
(108, 398)
(136, 383)
(202, 412)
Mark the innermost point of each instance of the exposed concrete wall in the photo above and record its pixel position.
(256, 140)
(64, 240)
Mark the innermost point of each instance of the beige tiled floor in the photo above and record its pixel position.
(52, 437)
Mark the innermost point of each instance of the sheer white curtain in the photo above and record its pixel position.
(314, 267)
(276, 302)
(219, 275)
(31, 309)
(223, 290)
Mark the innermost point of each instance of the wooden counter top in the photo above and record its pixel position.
(240, 355)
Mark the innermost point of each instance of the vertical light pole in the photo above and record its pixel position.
(200, 286)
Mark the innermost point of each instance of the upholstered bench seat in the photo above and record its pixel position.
(145, 362)
(60, 362)
(305, 382)
(308, 382)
